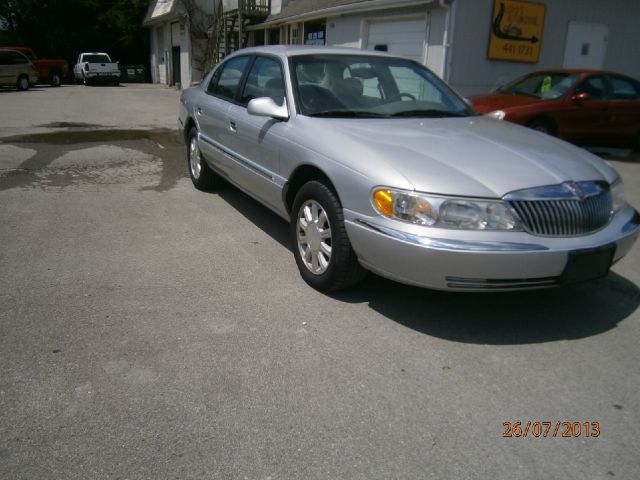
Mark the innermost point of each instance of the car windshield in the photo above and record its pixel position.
(96, 59)
(366, 86)
(545, 85)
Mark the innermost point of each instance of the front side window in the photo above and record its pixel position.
(546, 85)
(226, 80)
(265, 79)
(368, 86)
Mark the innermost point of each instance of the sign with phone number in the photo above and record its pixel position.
(516, 30)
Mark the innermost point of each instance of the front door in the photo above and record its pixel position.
(586, 45)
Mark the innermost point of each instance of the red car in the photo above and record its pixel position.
(49, 71)
(586, 107)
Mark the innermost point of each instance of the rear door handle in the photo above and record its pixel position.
(232, 126)
(199, 111)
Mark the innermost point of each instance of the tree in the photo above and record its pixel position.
(63, 28)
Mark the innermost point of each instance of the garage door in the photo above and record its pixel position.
(400, 37)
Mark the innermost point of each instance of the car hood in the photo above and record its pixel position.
(490, 102)
(471, 156)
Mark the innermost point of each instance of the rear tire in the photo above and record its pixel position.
(23, 83)
(202, 176)
(636, 145)
(55, 79)
(543, 125)
(321, 247)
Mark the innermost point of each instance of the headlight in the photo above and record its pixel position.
(617, 195)
(445, 212)
(499, 114)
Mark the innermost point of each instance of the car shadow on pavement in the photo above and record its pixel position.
(263, 218)
(510, 318)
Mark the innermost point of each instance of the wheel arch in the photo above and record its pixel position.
(301, 175)
(188, 125)
(546, 119)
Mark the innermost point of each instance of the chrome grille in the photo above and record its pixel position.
(563, 210)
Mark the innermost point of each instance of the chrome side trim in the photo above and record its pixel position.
(451, 244)
(243, 161)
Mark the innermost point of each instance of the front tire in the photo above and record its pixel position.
(322, 248)
(543, 125)
(202, 176)
(23, 83)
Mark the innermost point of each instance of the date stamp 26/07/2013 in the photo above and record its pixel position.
(551, 429)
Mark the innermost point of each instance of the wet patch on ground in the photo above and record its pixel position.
(163, 136)
(69, 125)
(151, 160)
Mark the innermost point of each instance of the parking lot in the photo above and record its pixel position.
(150, 330)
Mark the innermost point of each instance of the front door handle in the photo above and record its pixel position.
(199, 111)
(232, 126)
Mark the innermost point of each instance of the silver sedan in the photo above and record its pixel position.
(378, 165)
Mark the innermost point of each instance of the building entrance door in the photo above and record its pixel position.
(175, 64)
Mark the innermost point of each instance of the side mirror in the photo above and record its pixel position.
(580, 97)
(266, 107)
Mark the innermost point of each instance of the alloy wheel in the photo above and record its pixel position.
(195, 158)
(314, 237)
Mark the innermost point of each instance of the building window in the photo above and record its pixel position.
(315, 33)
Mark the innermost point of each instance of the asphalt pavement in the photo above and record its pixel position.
(149, 331)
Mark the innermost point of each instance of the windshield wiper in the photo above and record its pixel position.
(347, 114)
(429, 113)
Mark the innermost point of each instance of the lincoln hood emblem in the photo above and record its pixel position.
(575, 189)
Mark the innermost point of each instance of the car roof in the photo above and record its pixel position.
(583, 72)
(15, 50)
(293, 50)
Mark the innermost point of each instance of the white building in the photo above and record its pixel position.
(178, 41)
(475, 45)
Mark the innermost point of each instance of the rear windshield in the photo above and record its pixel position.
(96, 59)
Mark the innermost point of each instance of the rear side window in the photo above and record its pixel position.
(9, 57)
(227, 79)
(624, 89)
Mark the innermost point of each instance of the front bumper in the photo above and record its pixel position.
(476, 260)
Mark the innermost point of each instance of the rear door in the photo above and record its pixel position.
(624, 112)
(212, 111)
(587, 121)
(255, 141)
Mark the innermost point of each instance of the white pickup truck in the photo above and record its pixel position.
(96, 67)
